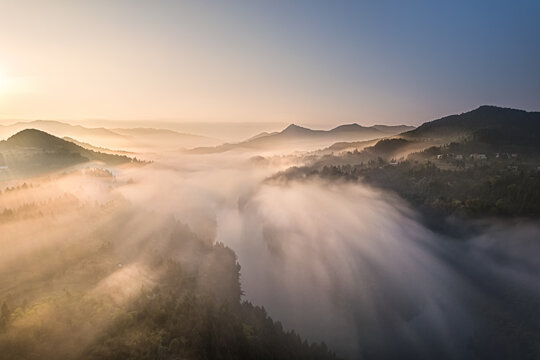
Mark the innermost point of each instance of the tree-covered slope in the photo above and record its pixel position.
(521, 124)
(33, 152)
(112, 281)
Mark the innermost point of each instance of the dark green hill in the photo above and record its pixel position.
(523, 125)
(33, 152)
(487, 129)
(105, 294)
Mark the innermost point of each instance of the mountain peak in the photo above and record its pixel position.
(293, 128)
(481, 118)
(35, 138)
(494, 108)
(40, 151)
(488, 107)
(30, 134)
(348, 127)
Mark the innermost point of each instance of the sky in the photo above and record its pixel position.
(305, 62)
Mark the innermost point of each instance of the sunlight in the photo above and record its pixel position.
(14, 84)
(6, 83)
(3, 82)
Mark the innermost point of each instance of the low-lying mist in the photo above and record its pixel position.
(337, 262)
(354, 267)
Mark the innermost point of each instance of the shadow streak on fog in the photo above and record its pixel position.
(353, 267)
(350, 265)
(337, 262)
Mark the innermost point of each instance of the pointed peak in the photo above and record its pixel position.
(30, 132)
(293, 128)
(34, 137)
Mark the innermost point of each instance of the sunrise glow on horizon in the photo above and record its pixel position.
(302, 62)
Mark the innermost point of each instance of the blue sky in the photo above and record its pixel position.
(285, 61)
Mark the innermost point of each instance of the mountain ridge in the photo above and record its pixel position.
(295, 135)
(105, 137)
(483, 117)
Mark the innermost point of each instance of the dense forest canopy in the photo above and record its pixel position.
(106, 293)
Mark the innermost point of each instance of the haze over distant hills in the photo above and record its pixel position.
(295, 137)
(499, 146)
(129, 138)
(98, 148)
(486, 127)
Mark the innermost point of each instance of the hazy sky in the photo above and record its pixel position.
(284, 61)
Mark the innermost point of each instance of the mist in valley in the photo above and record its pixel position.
(307, 180)
(338, 262)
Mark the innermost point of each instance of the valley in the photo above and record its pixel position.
(271, 253)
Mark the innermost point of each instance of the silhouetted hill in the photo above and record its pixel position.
(33, 152)
(295, 130)
(61, 129)
(518, 122)
(477, 164)
(32, 138)
(295, 137)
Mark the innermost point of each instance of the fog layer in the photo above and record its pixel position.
(343, 263)
(351, 265)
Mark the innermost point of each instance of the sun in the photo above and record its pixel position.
(8, 84)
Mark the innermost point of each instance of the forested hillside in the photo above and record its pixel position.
(33, 152)
(109, 281)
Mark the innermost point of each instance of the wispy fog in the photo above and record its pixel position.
(342, 263)
(354, 267)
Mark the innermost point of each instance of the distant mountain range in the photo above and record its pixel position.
(34, 152)
(296, 137)
(130, 138)
(487, 127)
(98, 148)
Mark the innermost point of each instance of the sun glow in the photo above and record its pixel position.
(14, 84)
(3, 82)
(6, 84)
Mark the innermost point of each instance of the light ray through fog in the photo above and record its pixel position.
(351, 266)
(341, 263)
(344, 263)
